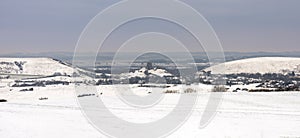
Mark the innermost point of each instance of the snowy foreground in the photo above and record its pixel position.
(241, 115)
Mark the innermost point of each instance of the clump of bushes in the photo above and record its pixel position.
(3, 100)
(84, 95)
(219, 88)
(189, 90)
(24, 90)
(171, 91)
(43, 98)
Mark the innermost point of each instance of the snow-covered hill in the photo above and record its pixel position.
(259, 65)
(142, 73)
(34, 66)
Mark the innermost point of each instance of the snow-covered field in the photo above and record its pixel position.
(240, 115)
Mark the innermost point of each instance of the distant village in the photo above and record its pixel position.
(148, 73)
(287, 81)
(142, 75)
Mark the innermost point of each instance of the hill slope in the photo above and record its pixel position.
(34, 66)
(259, 65)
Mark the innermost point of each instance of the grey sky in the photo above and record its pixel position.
(32, 26)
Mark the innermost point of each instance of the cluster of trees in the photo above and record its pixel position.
(38, 83)
(19, 64)
(266, 76)
(25, 90)
(150, 78)
(5, 77)
(3, 100)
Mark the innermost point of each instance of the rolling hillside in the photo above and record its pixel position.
(34, 66)
(258, 65)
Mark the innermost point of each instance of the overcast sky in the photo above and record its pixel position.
(32, 26)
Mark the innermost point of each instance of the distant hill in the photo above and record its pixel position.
(34, 66)
(258, 65)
